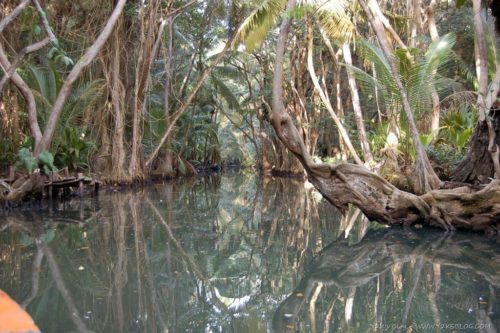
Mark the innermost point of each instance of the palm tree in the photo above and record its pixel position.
(426, 178)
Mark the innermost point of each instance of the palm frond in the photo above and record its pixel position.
(334, 18)
(225, 92)
(254, 29)
(229, 72)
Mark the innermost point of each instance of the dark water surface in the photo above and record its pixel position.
(241, 254)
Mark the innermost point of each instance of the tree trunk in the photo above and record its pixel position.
(482, 159)
(356, 106)
(477, 166)
(168, 69)
(481, 56)
(436, 106)
(118, 154)
(67, 86)
(426, 179)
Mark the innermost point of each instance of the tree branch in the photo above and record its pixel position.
(9, 18)
(45, 22)
(66, 88)
(27, 94)
(28, 49)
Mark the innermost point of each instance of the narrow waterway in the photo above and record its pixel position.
(238, 253)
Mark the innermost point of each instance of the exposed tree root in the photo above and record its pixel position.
(459, 208)
(24, 186)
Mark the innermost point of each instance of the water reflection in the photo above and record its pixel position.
(238, 254)
(398, 281)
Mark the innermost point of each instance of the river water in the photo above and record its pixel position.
(238, 253)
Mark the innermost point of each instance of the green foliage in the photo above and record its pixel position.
(7, 151)
(460, 3)
(73, 150)
(378, 136)
(27, 160)
(59, 56)
(335, 19)
(457, 127)
(445, 158)
(44, 161)
(182, 165)
(420, 76)
(254, 29)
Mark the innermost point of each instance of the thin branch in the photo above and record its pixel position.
(27, 94)
(45, 22)
(28, 49)
(181, 9)
(9, 18)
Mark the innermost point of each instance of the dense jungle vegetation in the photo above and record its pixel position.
(126, 91)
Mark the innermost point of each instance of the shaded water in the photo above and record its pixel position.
(240, 254)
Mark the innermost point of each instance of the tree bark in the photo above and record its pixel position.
(356, 106)
(28, 96)
(477, 165)
(16, 78)
(481, 57)
(15, 13)
(118, 154)
(17, 60)
(168, 68)
(436, 106)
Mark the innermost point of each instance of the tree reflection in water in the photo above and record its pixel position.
(229, 254)
(448, 281)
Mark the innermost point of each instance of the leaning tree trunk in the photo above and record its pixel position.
(345, 184)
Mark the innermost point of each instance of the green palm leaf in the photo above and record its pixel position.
(254, 29)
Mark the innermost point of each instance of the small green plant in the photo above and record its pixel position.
(27, 160)
(73, 150)
(457, 127)
(44, 161)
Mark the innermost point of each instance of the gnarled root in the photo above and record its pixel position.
(27, 185)
(460, 208)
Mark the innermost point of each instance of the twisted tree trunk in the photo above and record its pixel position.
(345, 184)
